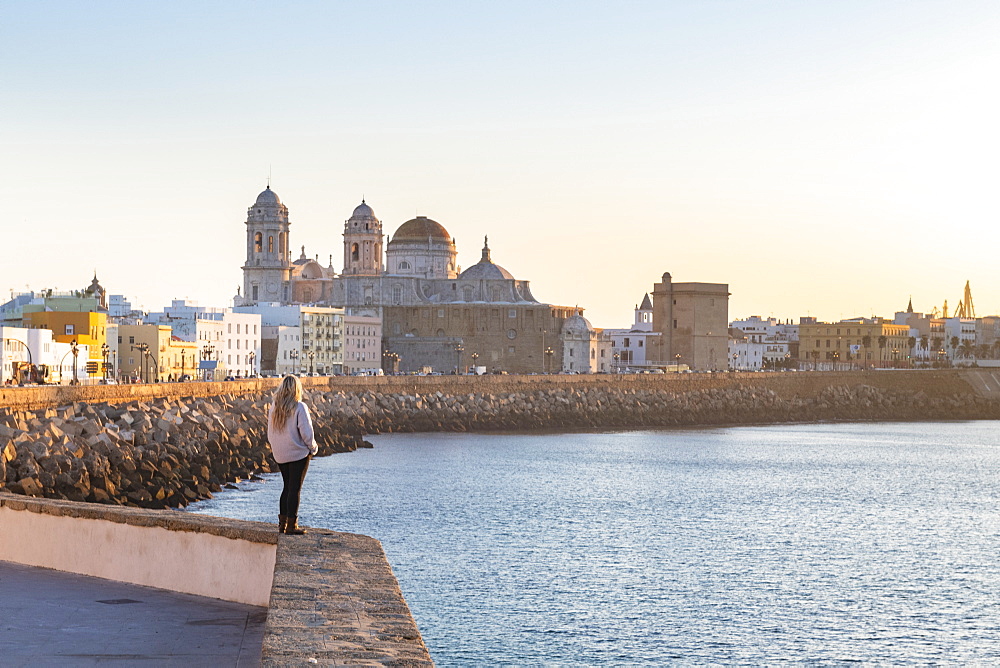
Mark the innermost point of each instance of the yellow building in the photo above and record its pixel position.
(144, 352)
(87, 328)
(181, 359)
(853, 344)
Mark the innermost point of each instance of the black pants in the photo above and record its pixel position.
(292, 474)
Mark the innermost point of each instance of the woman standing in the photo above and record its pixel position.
(290, 433)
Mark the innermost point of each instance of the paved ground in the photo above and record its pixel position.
(51, 618)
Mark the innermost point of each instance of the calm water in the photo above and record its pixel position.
(821, 544)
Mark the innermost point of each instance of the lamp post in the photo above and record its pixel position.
(183, 352)
(475, 358)
(294, 356)
(251, 358)
(788, 360)
(311, 356)
(895, 352)
(206, 355)
(105, 351)
(73, 348)
(393, 359)
(548, 356)
(735, 355)
(458, 353)
(30, 363)
(677, 362)
(614, 361)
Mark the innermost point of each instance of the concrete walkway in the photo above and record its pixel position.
(51, 618)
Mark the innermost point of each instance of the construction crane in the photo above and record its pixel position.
(966, 309)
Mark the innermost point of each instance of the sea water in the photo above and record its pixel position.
(828, 543)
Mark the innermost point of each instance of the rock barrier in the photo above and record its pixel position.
(156, 454)
(169, 452)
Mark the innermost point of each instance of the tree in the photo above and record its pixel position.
(924, 342)
(882, 340)
(912, 343)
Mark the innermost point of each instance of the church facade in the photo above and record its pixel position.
(433, 314)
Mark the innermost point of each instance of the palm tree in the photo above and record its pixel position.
(866, 342)
(967, 349)
(924, 342)
(912, 343)
(881, 348)
(937, 342)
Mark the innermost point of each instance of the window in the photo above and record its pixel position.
(627, 342)
(355, 253)
(440, 312)
(467, 293)
(511, 333)
(270, 243)
(258, 242)
(70, 330)
(640, 343)
(512, 313)
(131, 340)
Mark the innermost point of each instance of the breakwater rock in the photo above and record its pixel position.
(170, 452)
(618, 408)
(156, 454)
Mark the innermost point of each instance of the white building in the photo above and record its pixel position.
(629, 347)
(32, 356)
(300, 339)
(776, 339)
(746, 354)
(230, 338)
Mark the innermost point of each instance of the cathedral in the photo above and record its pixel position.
(433, 313)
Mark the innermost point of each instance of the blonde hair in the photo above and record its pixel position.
(289, 394)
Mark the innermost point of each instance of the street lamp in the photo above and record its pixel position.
(76, 351)
(475, 358)
(183, 352)
(30, 363)
(311, 354)
(250, 360)
(614, 358)
(294, 356)
(458, 364)
(105, 351)
(677, 362)
(548, 356)
(393, 359)
(735, 355)
(206, 354)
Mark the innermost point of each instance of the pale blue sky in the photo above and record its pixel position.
(822, 158)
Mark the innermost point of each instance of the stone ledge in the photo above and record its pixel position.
(171, 520)
(335, 599)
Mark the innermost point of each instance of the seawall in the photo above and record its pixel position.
(331, 597)
(171, 450)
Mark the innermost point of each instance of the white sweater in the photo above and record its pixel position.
(295, 441)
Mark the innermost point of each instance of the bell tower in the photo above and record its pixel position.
(267, 267)
(362, 243)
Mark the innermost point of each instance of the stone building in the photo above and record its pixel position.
(432, 313)
(693, 322)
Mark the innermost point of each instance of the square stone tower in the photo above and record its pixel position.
(693, 321)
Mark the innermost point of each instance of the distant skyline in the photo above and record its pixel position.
(824, 159)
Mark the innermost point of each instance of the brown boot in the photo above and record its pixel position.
(292, 527)
(282, 523)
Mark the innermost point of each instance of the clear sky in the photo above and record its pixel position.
(822, 158)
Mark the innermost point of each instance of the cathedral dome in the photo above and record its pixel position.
(419, 229)
(268, 198)
(363, 211)
(485, 269)
(577, 324)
